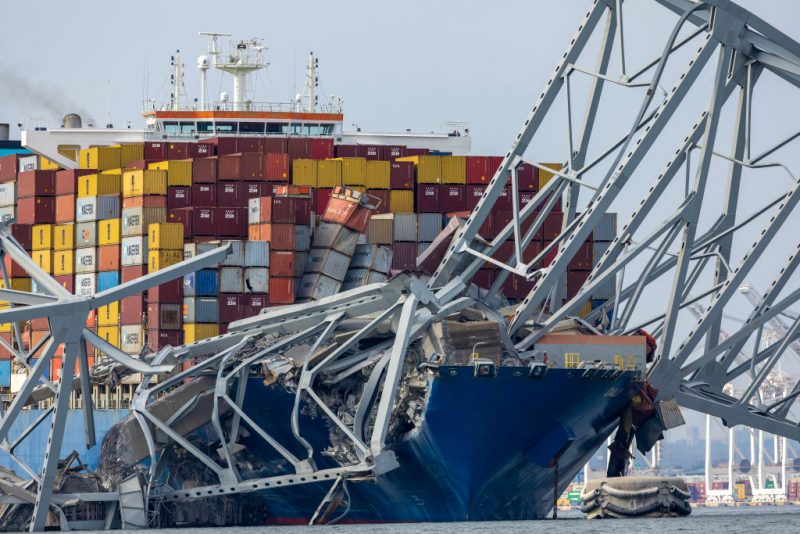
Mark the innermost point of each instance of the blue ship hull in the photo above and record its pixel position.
(483, 452)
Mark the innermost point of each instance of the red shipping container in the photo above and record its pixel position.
(140, 164)
(204, 222)
(281, 263)
(321, 197)
(575, 280)
(168, 292)
(528, 177)
(67, 281)
(484, 279)
(155, 150)
(36, 184)
(229, 195)
(248, 144)
(241, 166)
(401, 175)
(534, 249)
(179, 197)
(302, 210)
(276, 167)
(65, 208)
(36, 210)
(551, 228)
(417, 151)
(9, 167)
(405, 256)
(278, 209)
(149, 201)
(472, 195)
(204, 170)
(345, 151)
(13, 270)
(204, 195)
(550, 256)
(505, 251)
(516, 287)
(526, 197)
(370, 152)
(203, 150)
(280, 236)
(252, 190)
(230, 308)
(224, 145)
(478, 170)
(391, 152)
(487, 228)
(132, 310)
(132, 272)
(274, 145)
(108, 258)
(299, 148)
(582, 260)
(4, 353)
(67, 180)
(185, 217)
(179, 151)
(272, 188)
(383, 196)
(232, 222)
(428, 198)
(281, 290)
(452, 198)
(23, 233)
(252, 304)
(321, 148)
(501, 219)
(158, 339)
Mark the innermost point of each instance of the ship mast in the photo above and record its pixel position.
(178, 89)
(242, 61)
(309, 92)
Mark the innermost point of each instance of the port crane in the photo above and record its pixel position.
(716, 51)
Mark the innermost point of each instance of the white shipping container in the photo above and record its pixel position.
(254, 211)
(134, 250)
(231, 280)
(190, 250)
(200, 310)
(405, 227)
(256, 254)
(328, 262)
(236, 256)
(373, 257)
(606, 229)
(302, 238)
(300, 262)
(317, 286)
(7, 213)
(422, 247)
(131, 337)
(335, 236)
(96, 208)
(8, 194)
(428, 226)
(85, 284)
(85, 260)
(29, 163)
(256, 280)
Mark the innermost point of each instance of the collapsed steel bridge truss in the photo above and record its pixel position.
(715, 48)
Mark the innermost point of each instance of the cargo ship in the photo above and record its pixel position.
(482, 435)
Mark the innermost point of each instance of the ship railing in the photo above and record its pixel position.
(226, 105)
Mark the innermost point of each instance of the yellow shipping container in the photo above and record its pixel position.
(354, 171)
(304, 172)
(110, 334)
(193, 332)
(100, 157)
(454, 169)
(329, 173)
(44, 259)
(63, 262)
(161, 259)
(64, 237)
(586, 309)
(42, 238)
(48, 165)
(428, 168)
(545, 176)
(108, 315)
(401, 201)
(165, 236)
(92, 185)
(129, 152)
(109, 231)
(139, 182)
(378, 174)
(179, 171)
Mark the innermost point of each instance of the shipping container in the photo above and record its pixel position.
(195, 332)
(36, 184)
(606, 230)
(329, 173)
(336, 237)
(107, 280)
(165, 236)
(85, 260)
(230, 308)
(63, 262)
(231, 280)
(108, 315)
(134, 250)
(354, 171)
(401, 175)
(453, 169)
(452, 198)
(304, 172)
(428, 168)
(132, 309)
(241, 166)
(204, 170)
(373, 257)
(404, 227)
(252, 304)
(402, 201)
(546, 176)
(302, 238)
(231, 222)
(274, 144)
(92, 185)
(404, 256)
(428, 198)
(163, 316)
(36, 210)
(108, 258)
(428, 226)
(321, 148)
(109, 231)
(276, 167)
(202, 283)
(149, 201)
(391, 152)
(280, 236)
(256, 254)
(86, 234)
(231, 195)
(378, 175)
(192, 250)
(204, 195)
(136, 221)
(136, 183)
(158, 339)
(256, 280)
(8, 194)
(44, 259)
(368, 152)
(155, 150)
(179, 197)
(85, 284)
(9, 167)
(314, 287)
(42, 237)
(95, 208)
(282, 263)
(67, 180)
(179, 171)
(65, 208)
(131, 338)
(299, 147)
(161, 259)
(171, 291)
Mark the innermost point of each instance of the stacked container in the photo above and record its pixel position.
(370, 264)
(163, 321)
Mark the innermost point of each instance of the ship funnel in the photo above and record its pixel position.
(72, 120)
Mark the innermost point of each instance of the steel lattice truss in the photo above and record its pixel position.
(726, 49)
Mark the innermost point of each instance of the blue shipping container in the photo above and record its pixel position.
(107, 280)
(46, 372)
(5, 373)
(203, 283)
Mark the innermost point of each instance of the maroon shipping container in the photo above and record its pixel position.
(248, 144)
(132, 272)
(452, 198)
(36, 210)
(401, 175)
(232, 222)
(179, 150)
(321, 148)
(253, 190)
(67, 180)
(270, 188)
(428, 198)
(534, 249)
(230, 307)
(204, 195)
(278, 209)
(582, 260)
(179, 197)
(36, 184)
(252, 304)
(67, 281)
(241, 166)
(321, 197)
(276, 167)
(140, 164)
(224, 145)
(299, 148)
(158, 339)
(162, 315)
(503, 252)
(132, 309)
(391, 152)
(169, 292)
(525, 197)
(500, 219)
(204, 222)
(472, 195)
(384, 196)
(23, 233)
(274, 145)
(552, 226)
(417, 151)
(281, 263)
(371, 152)
(183, 216)
(485, 279)
(516, 287)
(345, 151)
(575, 280)
(528, 177)
(405, 255)
(155, 150)
(478, 170)
(229, 195)
(203, 150)
(487, 228)
(302, 210)
(204, 170)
